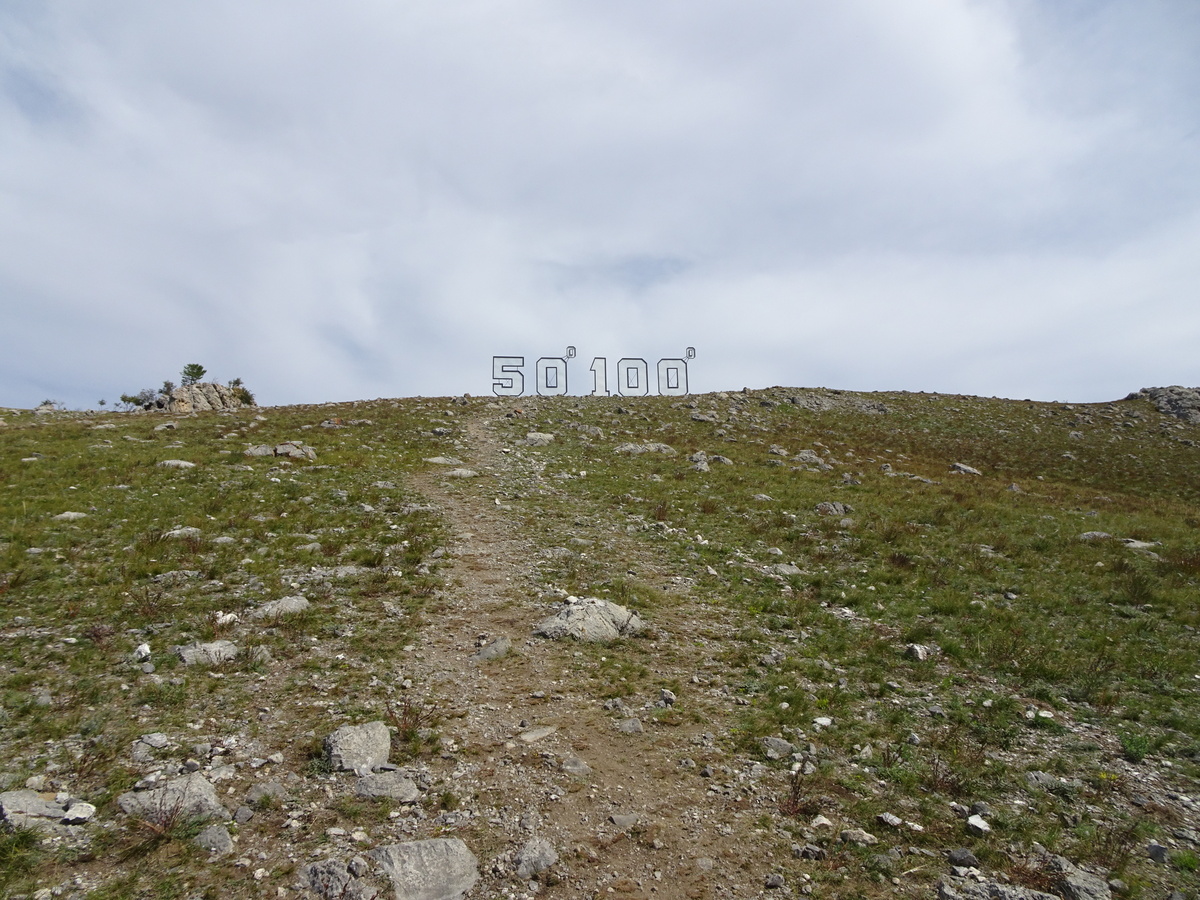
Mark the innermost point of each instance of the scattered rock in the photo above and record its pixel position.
(436, 869)
(978, 826)
(69, 516)
(833, 508)
(624, 821)
(776, 748)
(858, 837)
(284, 606)
(590, 619)
(189, 797)
(648, 447)
(177, 464)
(215, 839)
(534, 858)
(963, 857)
(462, 473)
(212, 653)
(630, 726)
(359, 748)
(1176, 400)
(495, 650)
(537, 439)
(393, 785)
(963, 469)
(28, 809)
(575, 766)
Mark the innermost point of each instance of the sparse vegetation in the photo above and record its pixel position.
(1056, 683)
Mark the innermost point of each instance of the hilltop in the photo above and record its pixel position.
(892, 645)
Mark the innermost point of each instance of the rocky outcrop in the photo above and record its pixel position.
(198, 398)
(590, 619)
(1180, 402)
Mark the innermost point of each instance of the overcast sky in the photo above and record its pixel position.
(372, 199)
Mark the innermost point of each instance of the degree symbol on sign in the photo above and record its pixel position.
(570, 352)
(691, 353)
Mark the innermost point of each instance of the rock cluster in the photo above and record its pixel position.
(590, 619)
(1180, 402)
(198, 398)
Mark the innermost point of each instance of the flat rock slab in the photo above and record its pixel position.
(189, 797)
(359, 748)
(533, 735)
(392, 785)
(28, 809)
(212, 653)
(436, 869)
(494, 650)
(284, 606)
(590, 619)
(535, 857)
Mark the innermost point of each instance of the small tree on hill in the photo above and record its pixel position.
(192, 373)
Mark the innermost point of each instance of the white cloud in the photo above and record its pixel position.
(962, 195)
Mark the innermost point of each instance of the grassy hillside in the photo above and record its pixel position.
(808, 562)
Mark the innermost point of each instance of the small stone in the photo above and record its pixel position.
(889, 819)
(630, 726)
(774, 882)
(535, 857)
(820, 822)
(78, 813)
(534, 735)
(624, 822)
(963, 857)
(359, 748)
(776, 748)
(1157, 852)
(667, 697)
(215, 839)
(576, 767)
(392, 785)
(858, 837)
(977, 825)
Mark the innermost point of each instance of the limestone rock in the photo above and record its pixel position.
(28, 809)
(963, 469)
(535, 857)
(537, 439)
(284, 606)
(834, 508)
(1176, 400)
(435, 869)
(952, 888)
(359, 748)
(69, 517)
(590, 619)
(215, 839)
(189, 797)
(212, 653)
(495, 650)
(648, 447)
(199, 397)
(776, 748)
(177, 464)
(392, 785)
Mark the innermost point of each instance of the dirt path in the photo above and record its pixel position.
(530, 749)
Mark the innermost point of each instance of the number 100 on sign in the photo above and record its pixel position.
(632, 376)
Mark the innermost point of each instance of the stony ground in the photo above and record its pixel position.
(766, 735)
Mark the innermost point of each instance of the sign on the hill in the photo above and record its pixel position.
(632, 375)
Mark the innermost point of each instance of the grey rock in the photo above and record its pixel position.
(243, 814)
(27, 809)
(183, 532)
(575, 766)
(1176, 400)
(393, 785)
(918, 652)
(952, 888)
(359, 748)
(624, 822)
(535, 857)
(647, 447)
(630, 726)
(786, 569)
(330, 879)
(963, 857)
(495, 650)
(284, 606)
(436, 869)
(963, 469)
(1095, 536)
(776, 748)
(774, 882)
(295, 450)
(177, 464)
(590, 619)
(1157, 852)
(200, 397)
(977, 825)
(189, 797)
(444, 461)
(215, 839)
(833, 508)
(212, 653)
(891, 820)
(265, 790)
(858, 837)
(537, 439)
(1076, 883)
(78, 812)
(69, 517)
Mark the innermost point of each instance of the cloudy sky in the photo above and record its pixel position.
(372, 199)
